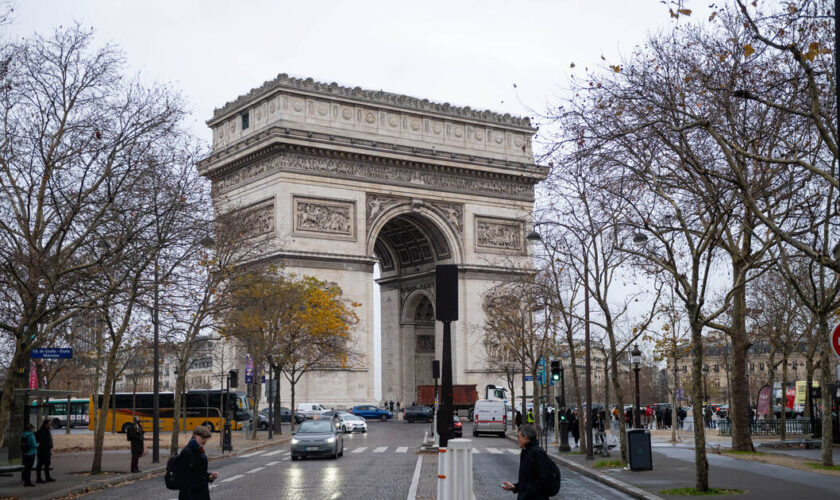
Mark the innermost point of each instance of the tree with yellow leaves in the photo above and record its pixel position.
(293, 324)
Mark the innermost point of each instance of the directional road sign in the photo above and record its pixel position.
(52, 353)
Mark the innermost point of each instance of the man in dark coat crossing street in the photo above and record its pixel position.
(192, 468)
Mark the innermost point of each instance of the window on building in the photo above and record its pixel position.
(245, 120)
(716, 368)
(761, 367)
(752, 367)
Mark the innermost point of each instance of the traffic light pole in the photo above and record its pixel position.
(444, 422)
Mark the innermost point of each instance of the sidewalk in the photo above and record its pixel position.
(72, 470)
(673, 467)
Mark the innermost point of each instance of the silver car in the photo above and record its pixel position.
(317, 438)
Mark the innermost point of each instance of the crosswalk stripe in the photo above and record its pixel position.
(495, 451)
(254, 470)
(251, 454)
(381, 449)
(271, 463)
(402, 449)
(512, 451)
(475, 451)
(359, 450)
(232, 478)
(272, 453)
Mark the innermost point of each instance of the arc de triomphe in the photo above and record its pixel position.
(336, 180)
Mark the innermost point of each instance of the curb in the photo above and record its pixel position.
(591, 473)
(148, 473)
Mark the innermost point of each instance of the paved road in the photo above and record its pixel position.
(382, 464)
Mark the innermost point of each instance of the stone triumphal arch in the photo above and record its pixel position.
(336, 180)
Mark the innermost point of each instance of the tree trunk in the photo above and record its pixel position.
(702, 465)
(576, 381)
(784, 395)
(825, 376)
(619, 396)
(176, 411)
(99, 428)
(14, 380)
(739, 409)
(607, 381)
(278, 418)
(257, 395)
(675, 403)
(292, 423)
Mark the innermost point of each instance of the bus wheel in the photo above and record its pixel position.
(209, 426)
(56, 423)
(125, 427)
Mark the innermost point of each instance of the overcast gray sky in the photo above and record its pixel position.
(463, 52)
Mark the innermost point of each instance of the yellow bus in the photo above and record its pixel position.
(198, 407)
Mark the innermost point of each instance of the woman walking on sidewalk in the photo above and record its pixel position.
(29, 447)
(135, 437)
(45, 446)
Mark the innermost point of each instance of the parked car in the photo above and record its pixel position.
(317, 438)
(723, 411)
(344, 421)
(418, 414)
(370, 411)
(457, 427)
(285, 416)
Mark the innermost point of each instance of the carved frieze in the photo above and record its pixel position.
(256, 219)
(324, 218)
(499, 235)
(425, 343)
(382, 173)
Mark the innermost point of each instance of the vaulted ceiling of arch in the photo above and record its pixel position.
(410, 240)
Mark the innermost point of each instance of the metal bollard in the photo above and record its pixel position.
(455, 471)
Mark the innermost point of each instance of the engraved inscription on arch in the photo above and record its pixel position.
(324, 218)
(499, 235)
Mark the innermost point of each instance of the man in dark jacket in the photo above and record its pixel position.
(134, 434)
(192, 468)
(534, 470)
(45, 446)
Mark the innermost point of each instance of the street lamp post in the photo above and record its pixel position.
(636, 357)
(564, 424)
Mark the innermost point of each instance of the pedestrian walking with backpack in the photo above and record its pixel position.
(29, 448)
(134, 435)
(45, 446)
(187, 471)
(539, 476)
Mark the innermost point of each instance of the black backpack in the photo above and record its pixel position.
(171, 478)
(24, 444)
(554, 480)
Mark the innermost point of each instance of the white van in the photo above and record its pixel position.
(489, 416)
(311, 410)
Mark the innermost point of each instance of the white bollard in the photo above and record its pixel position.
(455, 471)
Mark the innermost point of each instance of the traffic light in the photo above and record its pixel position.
(234, 378)
(555, 370)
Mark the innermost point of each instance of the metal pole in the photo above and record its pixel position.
(444, 423)
(588, 414)
(564, 426)
(270, 403)
(638, 423)
(156, 382)
(837, 68)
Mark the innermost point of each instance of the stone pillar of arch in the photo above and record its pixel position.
(332, 181)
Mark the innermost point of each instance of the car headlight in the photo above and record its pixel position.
(331, 440)
(295, 441)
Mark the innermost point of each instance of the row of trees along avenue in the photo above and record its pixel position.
(702, 161)
(108, 241)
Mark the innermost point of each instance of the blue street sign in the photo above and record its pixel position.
(52, 353)
(529, 377)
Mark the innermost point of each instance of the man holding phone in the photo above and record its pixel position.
(535, 470)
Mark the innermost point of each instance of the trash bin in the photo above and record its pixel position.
(638, 447)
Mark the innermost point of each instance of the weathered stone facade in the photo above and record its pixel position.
(356, 178)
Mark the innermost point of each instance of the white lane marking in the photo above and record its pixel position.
(415, 479)
(475, 451)
(495, 451)
(402, 449)
(381, 449)
(212, 486)
(251, 454)
(359, 450)
(272, 453)
(233, 478)
(272, 463)
(512, 451)
(254, 470)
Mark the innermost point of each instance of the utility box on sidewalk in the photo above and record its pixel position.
(638, 449)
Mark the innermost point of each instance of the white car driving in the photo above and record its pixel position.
(347, 422)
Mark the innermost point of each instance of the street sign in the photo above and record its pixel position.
(52, 353)
(249, 369)
(835, 340)
(529, 377)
